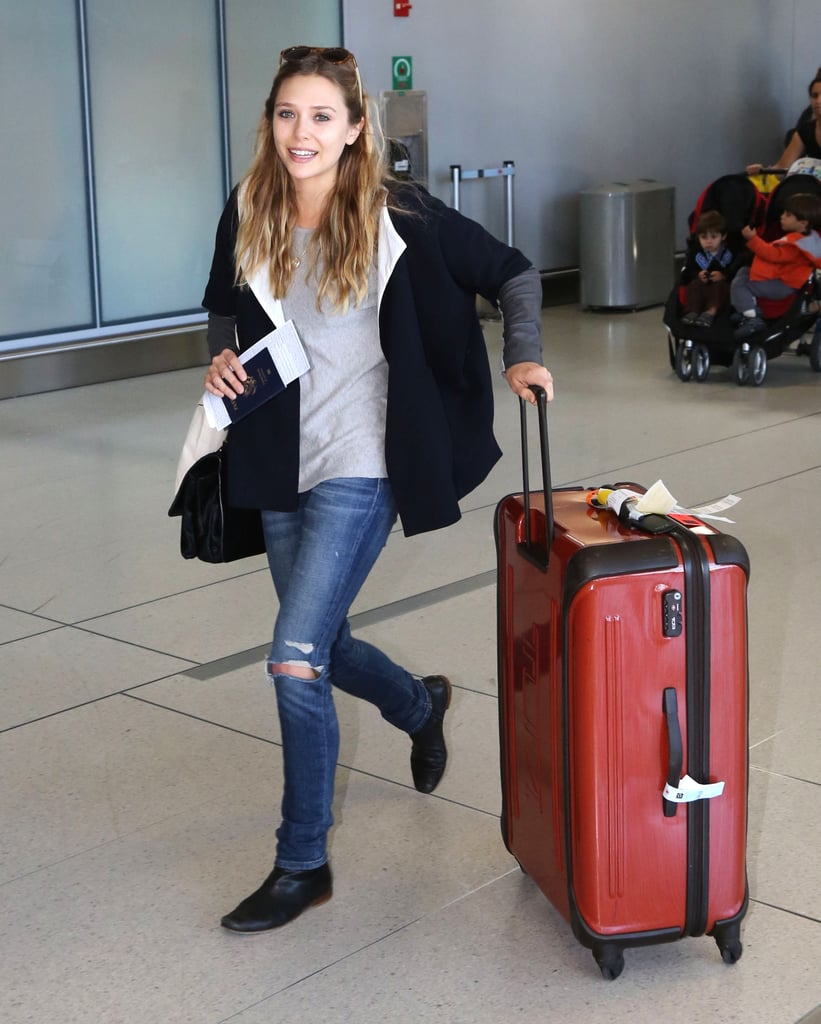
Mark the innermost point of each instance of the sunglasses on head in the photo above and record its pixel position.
(332, 54)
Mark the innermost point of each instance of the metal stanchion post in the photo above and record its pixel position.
(509, 202)
(508, 170)
(456, 178)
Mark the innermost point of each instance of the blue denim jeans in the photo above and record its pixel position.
(319, 558)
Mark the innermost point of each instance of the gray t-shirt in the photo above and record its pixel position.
(343, 397)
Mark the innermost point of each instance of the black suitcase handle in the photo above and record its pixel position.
(529, 550)
(675, 747)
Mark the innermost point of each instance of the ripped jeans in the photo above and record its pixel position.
(319, 558)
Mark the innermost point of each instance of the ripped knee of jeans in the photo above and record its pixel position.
(305, 669)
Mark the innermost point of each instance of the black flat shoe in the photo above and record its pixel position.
(281, 897)
(429, 755)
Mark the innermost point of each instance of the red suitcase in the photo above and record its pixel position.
(622, 676)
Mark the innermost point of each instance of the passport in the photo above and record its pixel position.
(271, 364)
(263, 383)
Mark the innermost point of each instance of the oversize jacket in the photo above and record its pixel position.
(439, 442)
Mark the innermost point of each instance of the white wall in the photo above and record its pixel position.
(581, 94)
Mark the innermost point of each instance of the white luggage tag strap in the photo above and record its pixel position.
(689, 790)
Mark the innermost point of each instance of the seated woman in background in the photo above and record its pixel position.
(804, 118)
(806, 139)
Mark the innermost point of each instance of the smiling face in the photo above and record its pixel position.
(311, 127)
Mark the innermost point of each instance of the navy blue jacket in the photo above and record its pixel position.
(439, 442)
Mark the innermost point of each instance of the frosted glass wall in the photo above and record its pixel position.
(157, 151)
(45, 258)
(115, 159)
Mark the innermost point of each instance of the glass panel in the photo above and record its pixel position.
(44, 249)
(157, 137)
(255, 33)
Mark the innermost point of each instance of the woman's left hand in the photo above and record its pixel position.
(521, 375)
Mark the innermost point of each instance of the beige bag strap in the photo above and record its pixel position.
(200, 439)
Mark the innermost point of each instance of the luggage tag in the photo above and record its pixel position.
(623, 501)
(689, 790)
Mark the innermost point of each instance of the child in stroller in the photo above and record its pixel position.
(708, 269)
(693, 347)
(780, 268)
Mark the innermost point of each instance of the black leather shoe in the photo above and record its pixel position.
(429, 755)
(281, 897)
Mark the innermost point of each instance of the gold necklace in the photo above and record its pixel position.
(296, 260)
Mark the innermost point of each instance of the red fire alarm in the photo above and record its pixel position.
(401, 8)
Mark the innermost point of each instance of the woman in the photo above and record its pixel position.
(806, 139)
(804, 117)
(394, 417)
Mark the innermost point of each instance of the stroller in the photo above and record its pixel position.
(693, 348)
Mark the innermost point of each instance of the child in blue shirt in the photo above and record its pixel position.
(708, 269)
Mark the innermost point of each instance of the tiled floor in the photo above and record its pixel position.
(139, 758)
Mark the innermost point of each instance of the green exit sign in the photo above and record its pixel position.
(402, 70)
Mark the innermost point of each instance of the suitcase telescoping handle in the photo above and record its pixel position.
(528, 549)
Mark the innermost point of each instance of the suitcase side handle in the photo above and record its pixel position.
(675, 747)
(528, 549)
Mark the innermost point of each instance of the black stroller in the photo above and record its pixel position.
(693, 348)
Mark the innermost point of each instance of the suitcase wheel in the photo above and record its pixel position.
(730, 951)
(610, 960)
(728, 940)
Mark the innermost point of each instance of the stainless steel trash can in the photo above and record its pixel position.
(627, 244)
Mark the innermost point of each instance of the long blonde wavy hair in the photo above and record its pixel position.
(343, 245)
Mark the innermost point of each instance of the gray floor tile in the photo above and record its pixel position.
(50, 672)
(83, 779)
(784, 837)
(201, 624)
(16, 625)
(793, 750)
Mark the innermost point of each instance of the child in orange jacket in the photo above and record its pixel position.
(779, 268)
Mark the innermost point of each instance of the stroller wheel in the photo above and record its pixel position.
(701, 362)
(740, 368)
(684, 361)
(758, 365)
(815, 352)
(672, 347)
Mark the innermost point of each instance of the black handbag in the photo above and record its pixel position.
(210, 529)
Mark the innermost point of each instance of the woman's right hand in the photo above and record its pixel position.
(225, 375)
(754, 168)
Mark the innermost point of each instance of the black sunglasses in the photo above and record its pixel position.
(332, 54)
